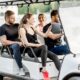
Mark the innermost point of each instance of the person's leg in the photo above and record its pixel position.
(42, 52)
(55, 59)
(59, 50)
(17, 54)
(43, 55)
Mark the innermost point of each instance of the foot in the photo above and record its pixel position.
(43, 69)
(21, 72)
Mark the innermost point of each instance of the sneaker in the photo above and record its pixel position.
(43, 69)
(21, 72)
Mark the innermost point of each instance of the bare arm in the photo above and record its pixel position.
(54, 36)
(24, 40)
(41, 33)
(4, 40)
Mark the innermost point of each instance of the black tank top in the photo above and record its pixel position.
(31, 38)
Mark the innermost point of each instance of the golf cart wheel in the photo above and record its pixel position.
(1, 77)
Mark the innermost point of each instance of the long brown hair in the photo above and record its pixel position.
(24, 21)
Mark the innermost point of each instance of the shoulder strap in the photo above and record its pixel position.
(33, 30)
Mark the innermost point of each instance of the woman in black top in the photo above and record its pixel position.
(28, 33)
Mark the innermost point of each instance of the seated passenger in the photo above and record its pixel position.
(42, 22)
(54, 36)
(9, 37)
(28, 37)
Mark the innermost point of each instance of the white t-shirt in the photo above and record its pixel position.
(40, 38)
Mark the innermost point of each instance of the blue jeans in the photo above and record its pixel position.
(17, 54)
(61, 49)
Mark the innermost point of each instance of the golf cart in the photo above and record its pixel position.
(11, 67)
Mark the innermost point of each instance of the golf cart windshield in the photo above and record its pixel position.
(70, 18)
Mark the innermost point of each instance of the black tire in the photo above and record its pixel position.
(72, 75)
(1, 77)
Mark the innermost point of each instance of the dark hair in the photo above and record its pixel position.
(8, 13)
(54, 12)
(40, 15)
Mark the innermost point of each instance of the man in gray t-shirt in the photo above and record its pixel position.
(55, 45)
(56, 28)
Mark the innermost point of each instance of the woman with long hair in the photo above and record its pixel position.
(27, 33)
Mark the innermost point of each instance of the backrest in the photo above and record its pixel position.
(5, 51)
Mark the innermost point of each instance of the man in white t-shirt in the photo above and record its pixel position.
(41, 19)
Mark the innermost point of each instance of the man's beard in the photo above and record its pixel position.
(56, 20)
(10, 22)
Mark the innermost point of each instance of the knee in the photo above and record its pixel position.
(44, 47)
(15, 46)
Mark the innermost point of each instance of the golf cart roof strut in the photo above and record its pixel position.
(20, 2)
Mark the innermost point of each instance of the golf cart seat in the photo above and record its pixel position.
(25, 55)
(35, 59)
(5, 51)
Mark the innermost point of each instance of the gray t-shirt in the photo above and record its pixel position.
(56, 28)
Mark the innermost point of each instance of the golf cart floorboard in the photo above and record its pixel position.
(16, 77)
